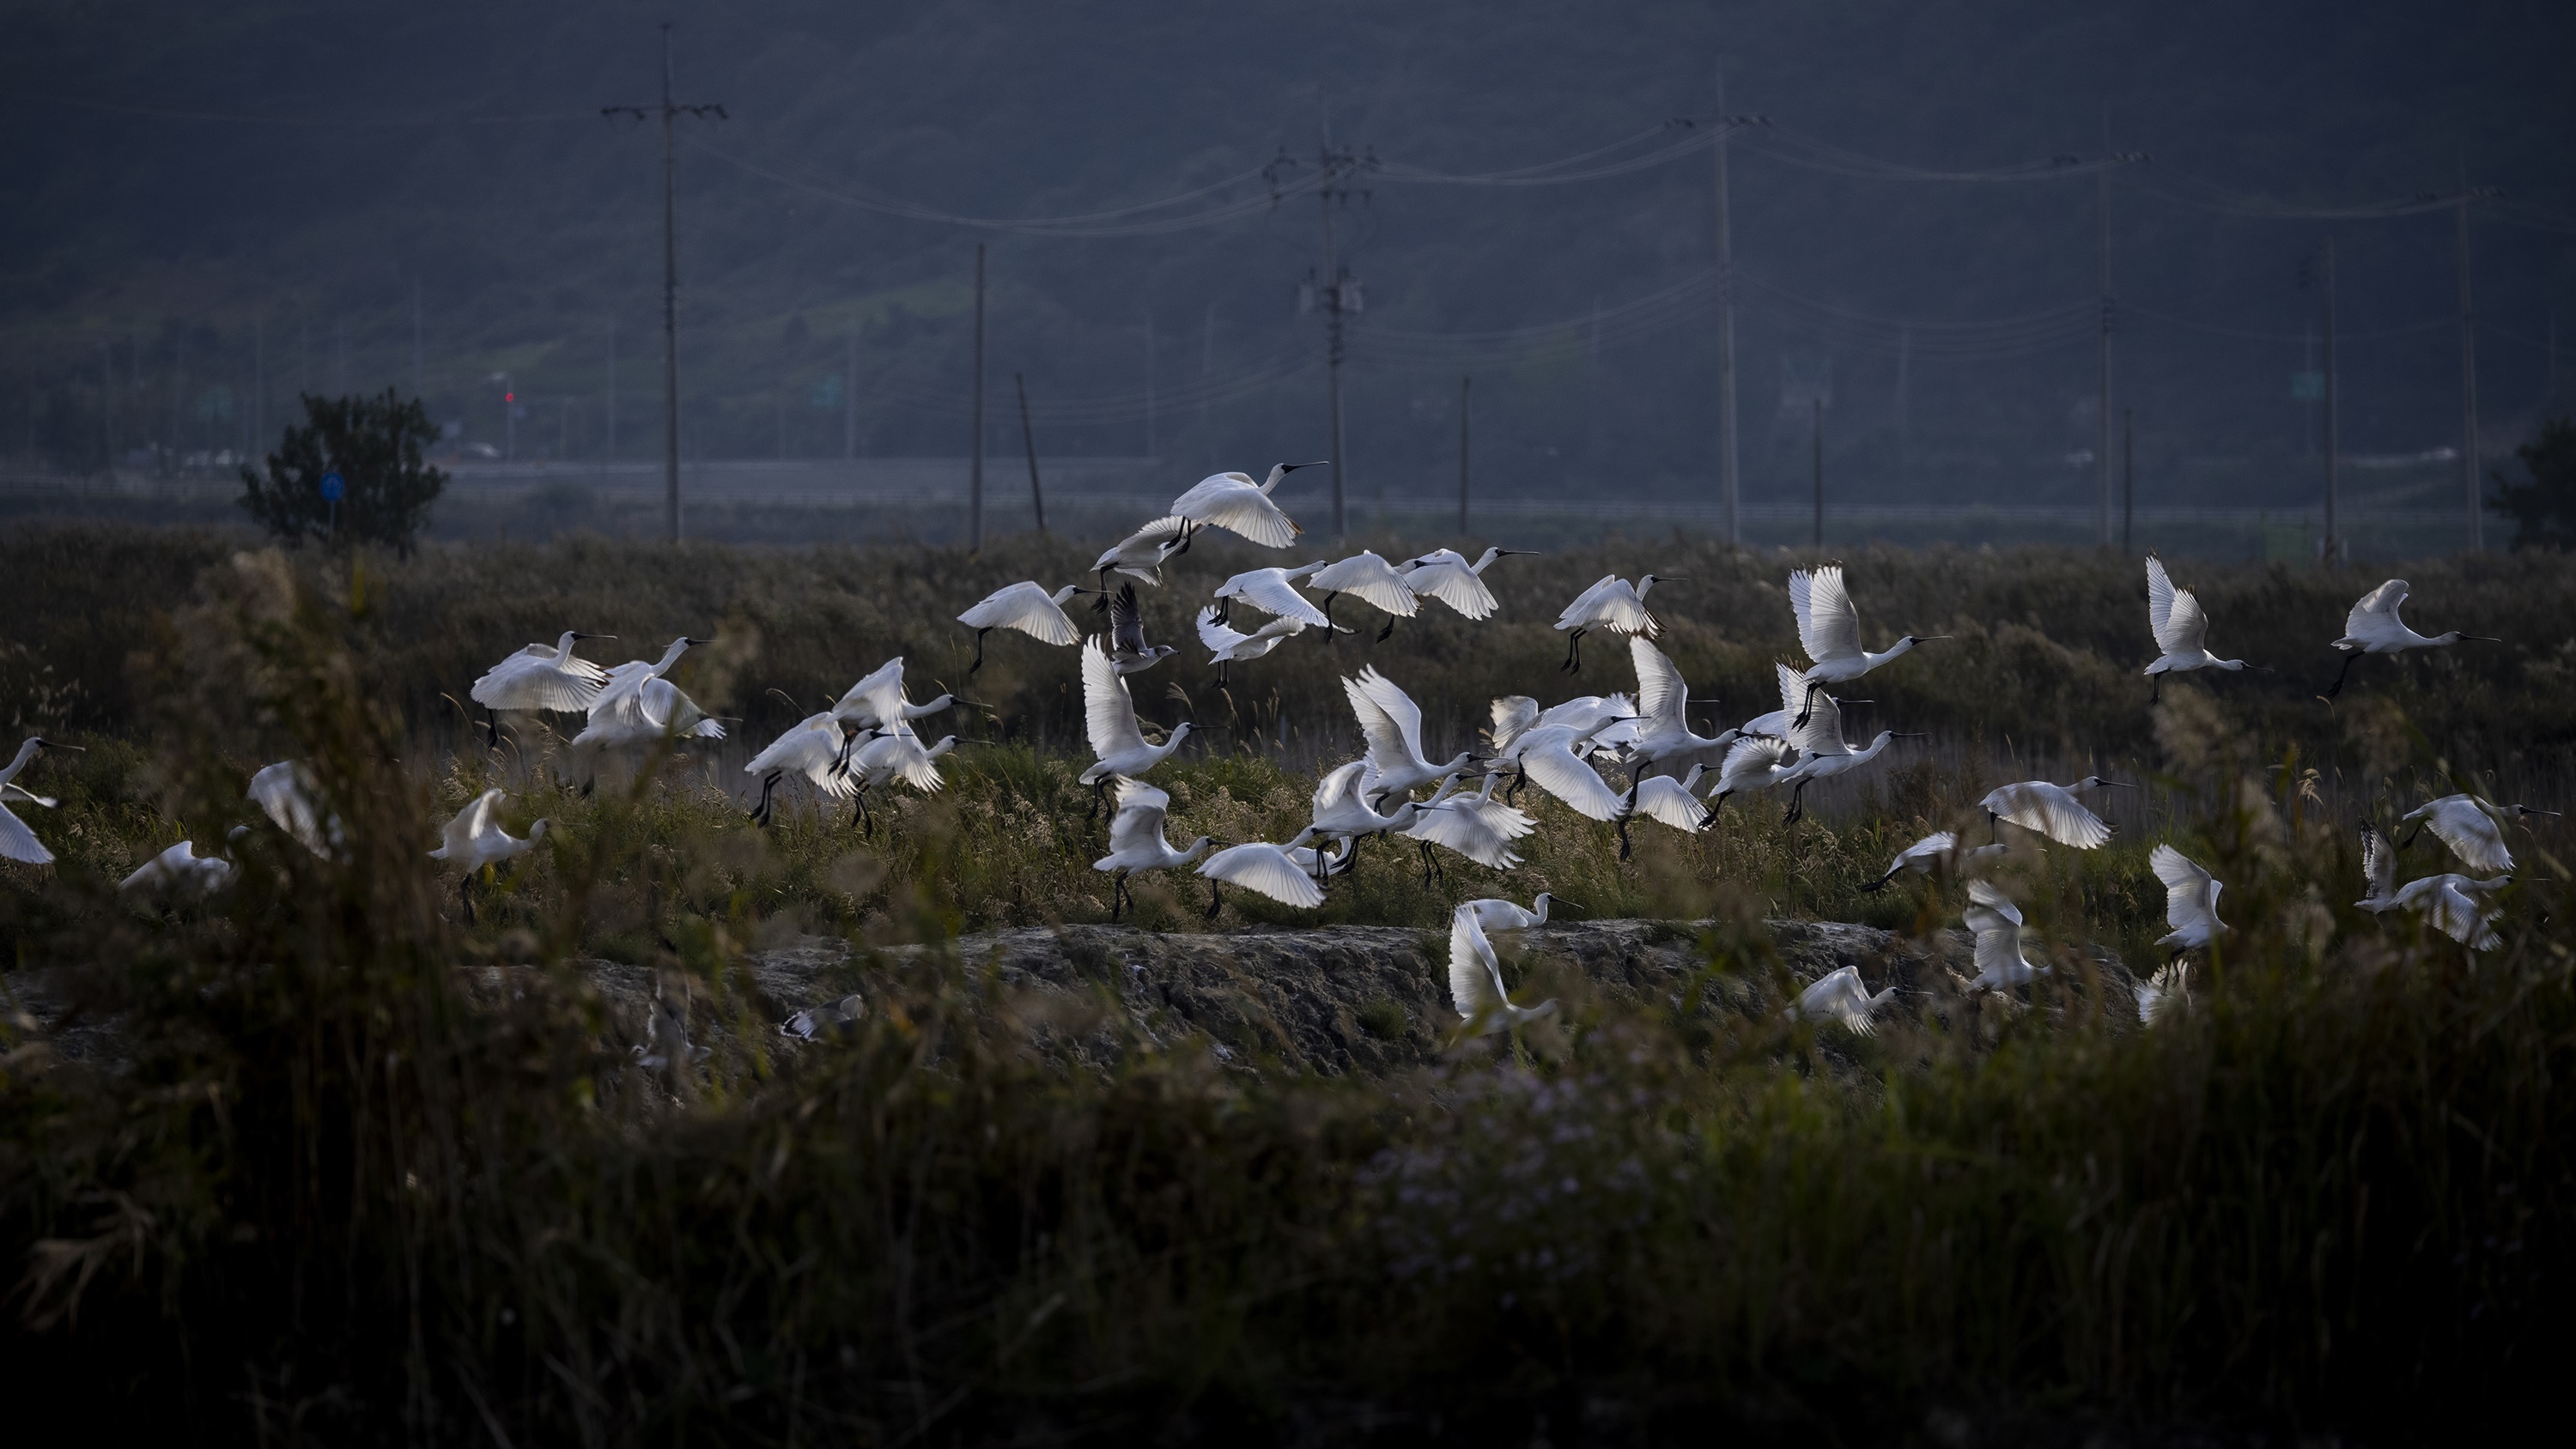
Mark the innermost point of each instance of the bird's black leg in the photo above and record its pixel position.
(1806, 707)
(1328, 617)
(1623, 839)
(1797, 805)
(492, 722)
(1220, 672)
(1426, 863)
(465, 893)
(1216, 898)
(1994, 829)
(2156, 691)
(1102, 605)
(1389, 631)
(1099, 792)
(1573, 654)
(1520, 777)
(2410, 837)
(768, 783)
(979, 653)
(2340, 674)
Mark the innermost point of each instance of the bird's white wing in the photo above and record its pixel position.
(1502, 819)
(876, 699)
(2186, 628)
(2472, 834)
(2160, 593)
(1453, 584)
(1553, 768)
(534, 681)
(2190, 892)
(916, 766)
(1269, 591)
(1828, 625)
(1027, 608)
(1215, 635)
(1513, 716)
(1622, 612)
(1367, 577)
(1822, 734)
(1396, 708)
(1456, 826)
(1475, 978)
(1339, 786)
(1138, 823)
(2378, 863)
(1931, 847)
(1751, 756)
(1998, 951)
(19, 843)
(1990, 910)
(1793, 690)
(808, 739)
(282, 791)
(1587, 603)
(1241, 509)
(2376, 612)
(1109, 713)
(2052, 813)
(2162, 994)
(2464, 919)
(1264, 868)
(1661, 692)
(1663, 798)
(10, 790)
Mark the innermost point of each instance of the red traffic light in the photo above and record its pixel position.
(509, 397)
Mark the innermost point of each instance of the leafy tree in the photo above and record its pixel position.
(374, 444)
(2544, 509)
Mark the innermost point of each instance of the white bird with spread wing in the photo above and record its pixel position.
(1371, 580)
(1136, 840)
(180, 869)
(285, 792)
(638, 707)
(1995, 921)
(1666, 800)
(1477, 826)
(876, 704)
(1264, 869)
(1272, 591)
(2373, 627)
(2164, 994)
(2191, 900)
(17, 842)
(896, 755)
(1842, 998)
(1445, 574)
(1755, 764)
(1127, 647)
(1938, 851)
(1829, 630)
(1822, 752)
(2051, 810)
(1228, 646)
(1496, 914)
(2182, 631)
(1476, 980)
(1141, 555)
(1026, 607)
(1662, 729)
(2472, 826)
(473, 840)
(540, 676)
(1613, 604)
(1109, 718)
(1392, 724)
(2457, 906)
(814, 748)
(2379, 872)
(1233, 502)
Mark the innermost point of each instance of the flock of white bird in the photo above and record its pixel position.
(866, 741)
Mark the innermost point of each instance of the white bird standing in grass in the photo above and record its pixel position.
(2191, 900)
(17, 842)
(1109, 717)
(2373, 627)
(2181, 630)
(1476, 981)
(2471, 826)
(1141, 555)
(2457, 906)
(1027, 608)
(895, 755)
(1755, 764)
(540, 677)
(1995, 921)
(1665, 799)
(1445, 574)
(1823, 754)
(1613, 604)
(1233, 502)
(2051, 810)
(474, 840)
(1263, 869)
(1662, 727)
(1272, 591)
(1136, 841)
(2164, 994)
(1371, 580)
(1496, 914)
(812, 748)
(1127, 647)
(1392, 724)
(1227, 646)
(1842, 998)
(284, 792)
(1829, 630)
(180, 868)
(1938, 851)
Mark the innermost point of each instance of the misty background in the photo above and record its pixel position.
(211, 211)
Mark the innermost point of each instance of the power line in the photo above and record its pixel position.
(317, 123)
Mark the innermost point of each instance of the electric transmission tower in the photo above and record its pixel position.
(1332, 290)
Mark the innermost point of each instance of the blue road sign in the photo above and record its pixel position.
(333, 487)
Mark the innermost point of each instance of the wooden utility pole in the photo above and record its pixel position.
(975, 473)
(1029, 440)
(2469, 463)
(669, 112)
(2334, 535)
(1729, 488)
(850, 398)
(1820, 473)
(2128, 478)
(1466, 397)
(1333, 291)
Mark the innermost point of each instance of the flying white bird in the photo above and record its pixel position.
(666, 1045)
(1263, 869)
(2191, 899)
(1546, 757)
(1136, 840)
(1321, 862)
(814, 1023)
(639, 707)
(1109, 717)
(1662, 727)
(1753, 765)
(1829, 630)
(1227, 646)
(1613, 604)
(1495, 914)
(1141, 555)
(1445, 574)
(17, 842)
(285, 792)
(1392, 724)
(1026, 607)
(1822, 751)
(2051, 810)
(180, 869)
(1371, 580)
(1593, 715)
(1663, 798)
(895, 755)
(2379, 872)
(1995, 921)
(474, 840)
(1477, 826)
(2164, 994)
(1476, 980)
(1938, 851)
(812, 748)
(540, 677)
(2174, 616)
(1341, 806)
(2457, 906)
(1272, 591)
(876, 704)
(1233, 502)
(1839, 996)
(2471, 826)
(2374, 628)
(1127, 647)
